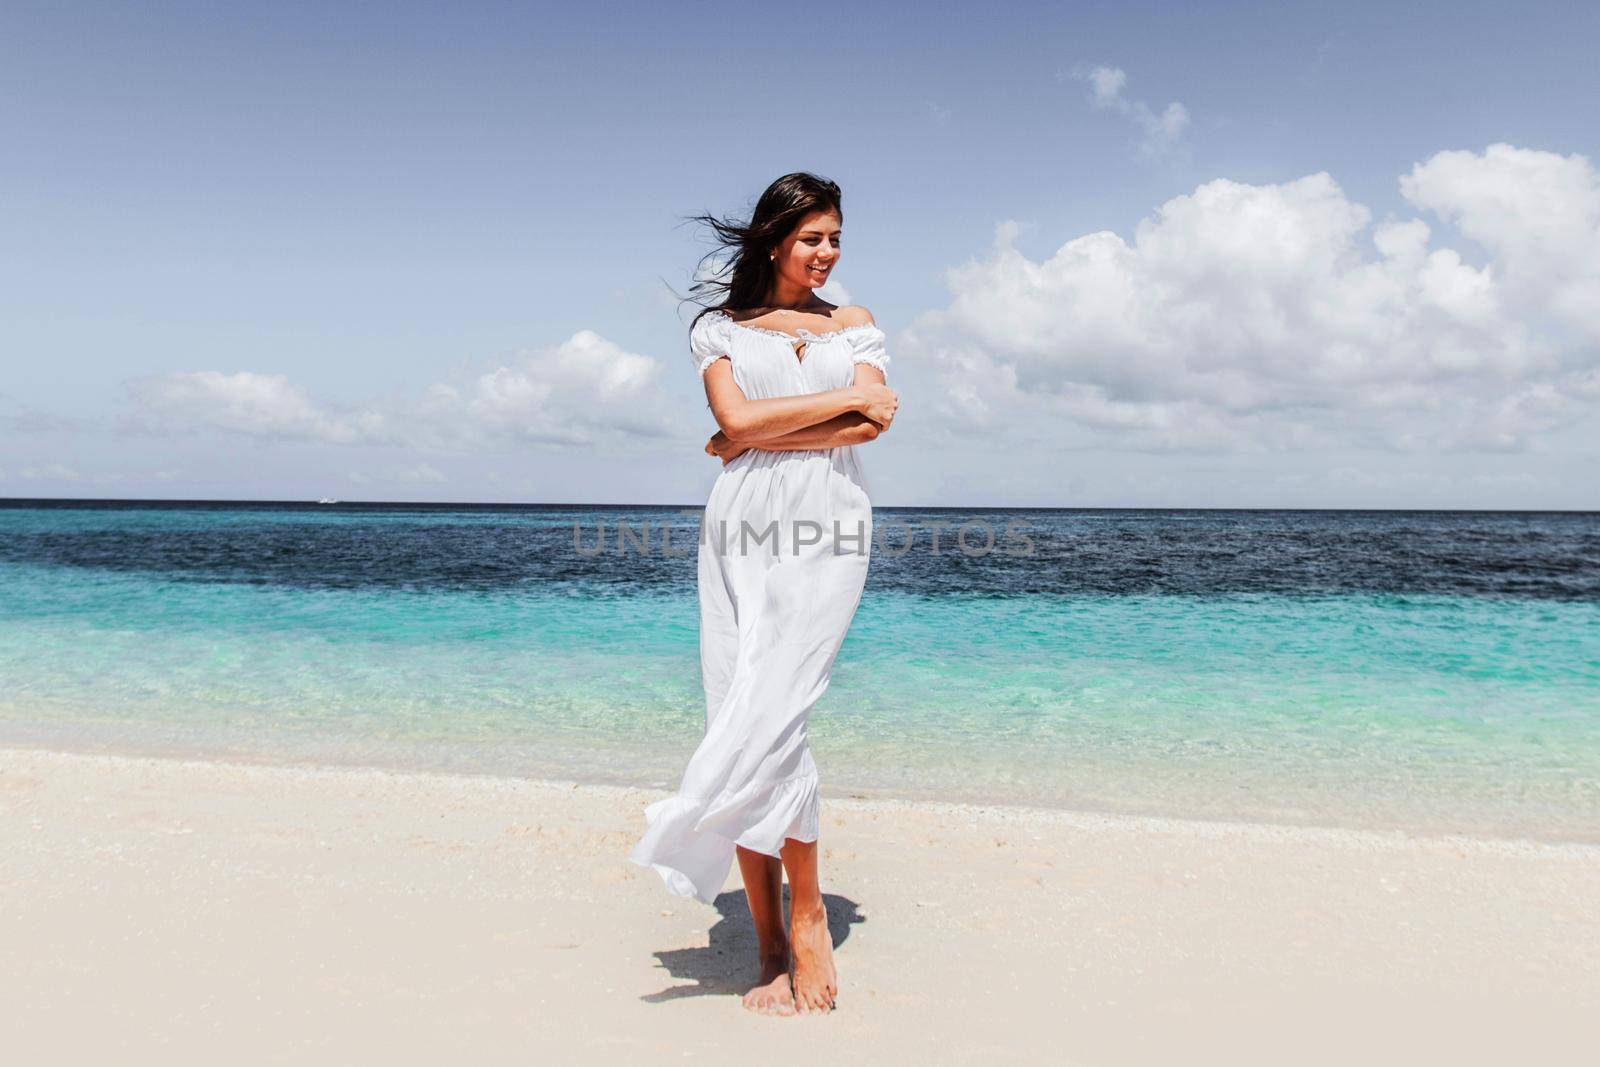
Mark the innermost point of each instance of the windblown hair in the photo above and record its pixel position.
(745, 276)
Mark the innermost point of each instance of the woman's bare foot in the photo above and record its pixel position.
(815, 983)
(772, 994)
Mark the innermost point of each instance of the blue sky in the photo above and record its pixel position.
(366, 209)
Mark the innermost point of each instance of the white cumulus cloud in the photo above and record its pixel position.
(583, 392)
(1159, 131)
(1279, 317)
(259, 405)
(1536, 213)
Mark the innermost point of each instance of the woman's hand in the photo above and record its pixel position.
(724, 449)
(879, 403)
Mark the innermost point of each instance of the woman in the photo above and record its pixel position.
(795, 383)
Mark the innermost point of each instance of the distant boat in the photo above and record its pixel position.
(327, 500)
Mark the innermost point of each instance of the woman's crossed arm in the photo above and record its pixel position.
(762, 424)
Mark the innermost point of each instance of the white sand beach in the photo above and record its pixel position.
(189, 911)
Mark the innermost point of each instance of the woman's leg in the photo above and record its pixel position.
(763, 887)
(815, 983)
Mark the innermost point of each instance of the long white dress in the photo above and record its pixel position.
(773, 612)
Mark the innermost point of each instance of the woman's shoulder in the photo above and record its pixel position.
(709, 325)
(850, 316)
(708, 338)
(867, 341)
(859, 326)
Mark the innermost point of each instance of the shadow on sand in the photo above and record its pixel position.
(728, 965)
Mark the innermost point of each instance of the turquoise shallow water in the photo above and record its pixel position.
(482, 642)
(1421, 709)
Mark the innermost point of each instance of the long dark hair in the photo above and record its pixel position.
(746, 277)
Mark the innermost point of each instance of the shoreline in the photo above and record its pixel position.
(118, 745)
(1087, 820)
(198, 908)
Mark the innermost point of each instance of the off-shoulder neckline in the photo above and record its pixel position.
(803, 334)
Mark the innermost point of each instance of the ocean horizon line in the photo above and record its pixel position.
(19, 502)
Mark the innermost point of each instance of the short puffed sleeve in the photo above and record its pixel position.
(708, 340)
(868, 344)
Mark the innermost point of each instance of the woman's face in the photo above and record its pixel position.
(808, 255)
